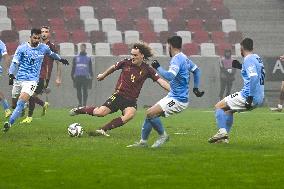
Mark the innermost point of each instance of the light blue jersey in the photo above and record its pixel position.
(253, 74)
(181, 67)
(29, 60)
(3, 51)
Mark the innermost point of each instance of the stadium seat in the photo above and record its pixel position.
(89, 48)
(138, 13)
(149, 37)
(222, 13)
(66, 49)
(119, 49)
(97, 36)
(207, 49)
(216, 3)
(17, 11)
(57, 23)
(69, 12)
(195, 25)
(79, 36)
(114, 37)
(30, 4)
(24, 36)
(60, 36)
(229, 25)
(172, 13)
(143, 25)
(131, 36)
(86, 12)
(108, 24)
(3, 11)
(9, 36)
(200, 36)
(221, 47)
(53, 13)
(235, 37)
(5, 24)
(190, 49)
(102, 49)
(91, 24)
(157, 49)
(212, 24)
(21, 23)
(134, 4)
(218, 36)
(189, 13)
(164, 35)
(11, 47)
(238, 49)
(199, 4)
(38, 22)
(160, 25)
(121, 13)
(155, 13)
(176, 25)
(185, 35)
(74, 24)
(125, 24)
(206, 13)
(182, 3)
(104, 12)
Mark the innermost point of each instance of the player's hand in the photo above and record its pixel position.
(197, 92)
(64, 61)
(248, 103)
(236, 64)
(155, 64)
(58, 81)
(281, 58)
(100, 77)
(11, 79)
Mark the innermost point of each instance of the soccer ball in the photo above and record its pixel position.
(75, 130)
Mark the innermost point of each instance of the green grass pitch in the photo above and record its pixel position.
(42, 155)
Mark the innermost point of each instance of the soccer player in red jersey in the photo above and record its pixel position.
(134, 72)
(45, 74)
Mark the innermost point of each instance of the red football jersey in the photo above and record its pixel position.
(132, 78)
(47, 64)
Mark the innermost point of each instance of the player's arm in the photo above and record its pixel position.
(14, 66)
(168, 75)
(196, 80)
(253, 79)
(107, 72)
(56, 56)
(164, 84)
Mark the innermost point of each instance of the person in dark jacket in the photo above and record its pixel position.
(82, 75)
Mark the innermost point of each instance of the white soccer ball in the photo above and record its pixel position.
(75, 130)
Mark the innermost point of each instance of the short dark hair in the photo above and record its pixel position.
(35, 31)
(144, 49)
(247, 44)
(45, 27)
(83, 45)
(175, 41)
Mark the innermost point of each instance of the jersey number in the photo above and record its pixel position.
(171, 103)
(132, 77)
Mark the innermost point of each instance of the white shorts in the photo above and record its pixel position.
(170, 105)
(19, 87)
(236, 102)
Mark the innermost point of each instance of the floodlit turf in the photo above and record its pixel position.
(42, 155)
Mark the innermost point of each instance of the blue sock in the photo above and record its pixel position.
(229, 121)
(5, 104)
(146, 129)
(157, 125)
(18, 111)
(220, 118)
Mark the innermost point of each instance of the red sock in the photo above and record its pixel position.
(117, 122)
(86, 110)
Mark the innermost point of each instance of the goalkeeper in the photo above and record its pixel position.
(177, 99)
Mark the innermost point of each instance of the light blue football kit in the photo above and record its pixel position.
(3, 51)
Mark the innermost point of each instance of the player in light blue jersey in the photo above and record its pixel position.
(3, 100)
(178, 97)
(27, 63)
(250, 96)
